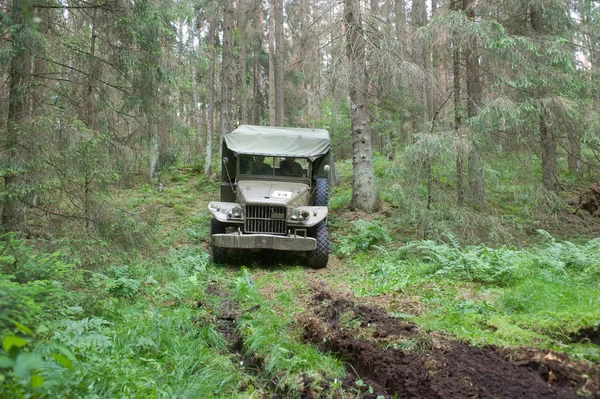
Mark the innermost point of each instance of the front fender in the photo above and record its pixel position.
(317, 214)
(219, 211)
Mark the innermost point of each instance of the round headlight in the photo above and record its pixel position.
(235, 213)
(295, 215)
(305, 215)
(299, 215)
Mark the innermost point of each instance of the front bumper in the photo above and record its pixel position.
(264, 241)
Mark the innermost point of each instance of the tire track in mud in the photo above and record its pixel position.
(396, 359)
(227, 321)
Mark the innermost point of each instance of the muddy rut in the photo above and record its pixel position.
(394, 358)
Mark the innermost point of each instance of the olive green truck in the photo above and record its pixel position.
(274, 192)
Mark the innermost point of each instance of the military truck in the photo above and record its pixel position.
(274, 192)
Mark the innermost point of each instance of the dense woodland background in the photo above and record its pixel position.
(108, 92)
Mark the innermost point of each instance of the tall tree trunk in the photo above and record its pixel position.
(182, 91)
(272, 113)
(476, 176)
(279, 64)
(257, 103)
(212, 33)
(547, 141)
(195, 108)
(421, 56)
(434, 76)
(460, 184)
(13, 211)
(364, 188)
(154, 147)
(582, 51)
(228, 71)
(548, 146)
(242, 87)
(374, 89)
(400, 18)
(258, 99)
(89, 117)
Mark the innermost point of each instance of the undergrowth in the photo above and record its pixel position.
(269, 340)
(135, 318)
(540, 296)
(134, 332)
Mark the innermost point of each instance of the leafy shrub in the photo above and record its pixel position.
(122, 229)
(119, 285)
(31, 285)
(340, 198)
(473, 263)
(563, 257)
(198, 164)
(25, 264)
(364, 235)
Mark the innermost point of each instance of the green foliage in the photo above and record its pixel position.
(269, 340)
(476, 264)
(340, 198)
(20, 368)
(32, 285)
(503, 296)
(336, 119)
(119, 285)
(147, 347)
(364, 234)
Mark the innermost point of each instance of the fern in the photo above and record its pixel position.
(365, 234)
(473, 263)
(121, 285)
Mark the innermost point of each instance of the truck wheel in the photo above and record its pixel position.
(318, 258)
(218, 254)
(321, 191)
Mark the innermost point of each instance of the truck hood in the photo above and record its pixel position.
(273, 192)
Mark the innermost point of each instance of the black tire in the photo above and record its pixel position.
(321, 191)
(318, 258)
(218, 254)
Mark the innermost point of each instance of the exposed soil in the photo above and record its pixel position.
(227, 319)
(590, 200)
(395, 359)
(591, 335)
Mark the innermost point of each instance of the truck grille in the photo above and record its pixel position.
(266, 219)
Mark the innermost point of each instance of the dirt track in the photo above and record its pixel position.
(398, 360)
(394, 358)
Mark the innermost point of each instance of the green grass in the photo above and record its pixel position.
(537, 297)
(113, 316)
(139, 334)
(269, 337)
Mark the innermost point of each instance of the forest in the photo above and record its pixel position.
(464, 255)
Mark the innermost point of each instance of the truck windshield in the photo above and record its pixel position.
(259, 165)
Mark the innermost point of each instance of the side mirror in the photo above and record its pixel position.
(326, 168)
(225, 160)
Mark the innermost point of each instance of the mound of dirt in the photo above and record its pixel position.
(590, 200)
(396, 359)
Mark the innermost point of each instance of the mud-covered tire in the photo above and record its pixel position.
(321, 192)
(318, 258)
(218, 254)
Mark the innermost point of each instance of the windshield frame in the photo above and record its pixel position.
(305, 163)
